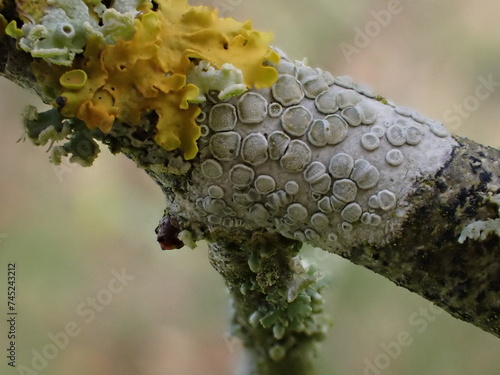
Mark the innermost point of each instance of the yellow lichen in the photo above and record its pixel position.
(218, 40)
(99, 112)
(12, 30)
(177, 127)
(74, 79)
(148, 72)
(30, 10)
(48, 76)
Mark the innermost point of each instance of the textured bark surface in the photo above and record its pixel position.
(418, 249)
(15, 64)
(427, 258)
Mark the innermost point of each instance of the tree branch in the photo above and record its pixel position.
(426, 256)
(277, 307)
(304, 158)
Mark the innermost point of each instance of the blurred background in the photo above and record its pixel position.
(71, 230)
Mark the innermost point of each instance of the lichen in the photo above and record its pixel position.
(48, 77)
(58, 30)
(74, 79)
(326, 170)
(31, 11)
(127, 63)
(50, 126)
(278, 309)
(227, 80)
(480, 230)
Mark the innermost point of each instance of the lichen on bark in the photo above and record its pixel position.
(277, 307)
(301, 157)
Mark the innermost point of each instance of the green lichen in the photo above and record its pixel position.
(116, 25)
(63, 30)
(253, 262)
(123, 61)
(13, 31)
(31, 10)
(50, 126)
(83, 148)
(292, 311)
(228, 81)
(39, 125)
(381, 99)
(126, 6)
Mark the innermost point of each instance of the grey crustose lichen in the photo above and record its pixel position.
(315, 158)
(321, 160)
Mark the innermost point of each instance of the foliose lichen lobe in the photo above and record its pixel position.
(129, 59)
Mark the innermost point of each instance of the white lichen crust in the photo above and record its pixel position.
(479, 230)
(315, 158)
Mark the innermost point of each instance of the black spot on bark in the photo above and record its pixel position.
(485, 178)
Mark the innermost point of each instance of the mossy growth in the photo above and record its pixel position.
(276, 299)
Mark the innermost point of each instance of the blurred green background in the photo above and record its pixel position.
(68, 228)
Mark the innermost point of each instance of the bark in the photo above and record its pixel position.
(423, 205)
(426, 257)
